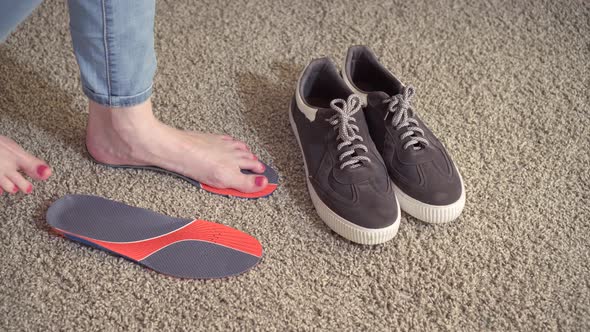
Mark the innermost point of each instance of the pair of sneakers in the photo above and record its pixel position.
(365, 149)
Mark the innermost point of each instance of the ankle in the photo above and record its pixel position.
(123, 120)
(122, 133)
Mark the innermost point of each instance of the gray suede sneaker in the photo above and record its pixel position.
(346, 177)
(426, 181)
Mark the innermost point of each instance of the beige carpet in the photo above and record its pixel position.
(504, 84)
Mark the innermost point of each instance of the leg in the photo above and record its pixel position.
(114, 46)
(12, 13)
(12, 157)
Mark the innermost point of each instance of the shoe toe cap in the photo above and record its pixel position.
(374, 210)
(437, 190)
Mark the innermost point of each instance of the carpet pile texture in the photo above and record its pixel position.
(505, 85)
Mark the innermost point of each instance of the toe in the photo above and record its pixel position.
(20, 182)
(252, 165)
(226, 138)
(249, 183)
(240, 146)
(246, 155)
(7, 185)
(32, 166)
(36, 169)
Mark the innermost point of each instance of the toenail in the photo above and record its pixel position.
(263, 167)
(41, 170)
(29, 189)
(254, 157)
(15, 189)
(259, 181)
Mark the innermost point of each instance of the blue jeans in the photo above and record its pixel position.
(113, 42)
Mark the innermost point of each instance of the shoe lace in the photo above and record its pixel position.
(347, 131)
(402, 112)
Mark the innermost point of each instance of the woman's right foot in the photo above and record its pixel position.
(13, 161)
(133, 136)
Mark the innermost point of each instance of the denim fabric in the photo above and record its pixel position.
(12, 13)
(113, 42)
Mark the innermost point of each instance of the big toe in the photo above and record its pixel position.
(35, 167)
(249, 183)
(31, 165)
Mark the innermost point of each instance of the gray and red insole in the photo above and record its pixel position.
(269, 173)
(177, 247)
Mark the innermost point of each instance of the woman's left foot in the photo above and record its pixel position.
(133, 136)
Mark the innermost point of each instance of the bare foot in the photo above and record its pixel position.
(133, 136)
(14, 159)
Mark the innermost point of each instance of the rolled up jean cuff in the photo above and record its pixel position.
(113, 41)
(118, 101)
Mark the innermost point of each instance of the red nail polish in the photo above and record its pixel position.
(15, 189)
(41, 170)
(259, 180)
(29, 189)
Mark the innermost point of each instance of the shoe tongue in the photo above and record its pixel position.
(376, 98)
(324, 113)
(350, 175)
(354, 175)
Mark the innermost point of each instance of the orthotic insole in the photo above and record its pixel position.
(269, 173)
(184, 248)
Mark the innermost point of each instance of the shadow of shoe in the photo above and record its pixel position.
(267, 103)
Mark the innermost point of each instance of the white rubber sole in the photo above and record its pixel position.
(434, 214)
(343, 227)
